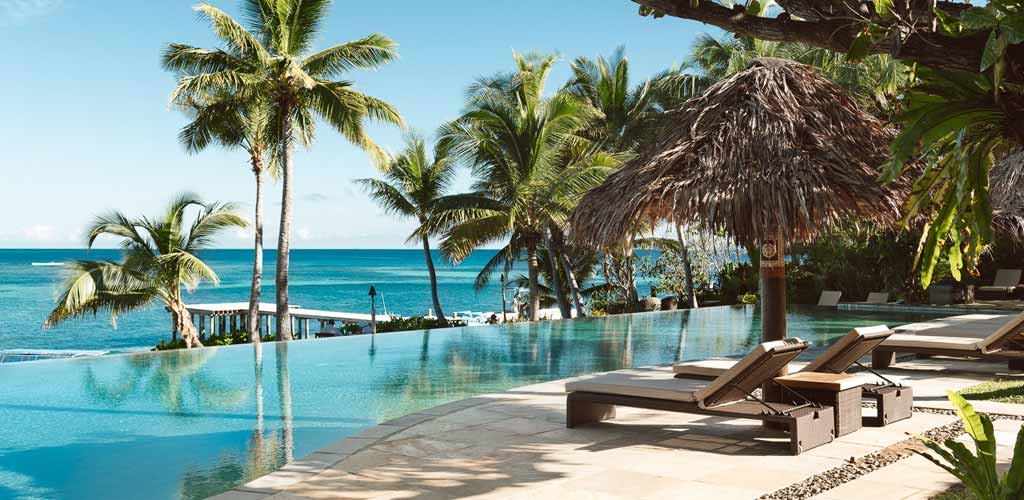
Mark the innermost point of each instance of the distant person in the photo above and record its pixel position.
(330, 330)
(493, 320)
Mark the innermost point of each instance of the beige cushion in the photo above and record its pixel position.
(842, 344)
(713, 367)
(933, 342)
(741, 366)
(1007, 278)
(829, 298)
(878, 298)
(1000, 289)
(656, 383)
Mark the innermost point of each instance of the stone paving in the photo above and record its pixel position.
(514, 445)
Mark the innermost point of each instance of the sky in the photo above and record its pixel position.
(86, 127)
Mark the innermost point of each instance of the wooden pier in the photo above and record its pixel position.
(222, 319)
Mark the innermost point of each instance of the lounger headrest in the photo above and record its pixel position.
(756, 368)
(848, 349)
(1007, 333)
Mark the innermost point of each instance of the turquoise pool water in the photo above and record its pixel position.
(192, 424)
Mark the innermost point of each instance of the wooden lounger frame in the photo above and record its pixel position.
(1010, 348)
(810, 425)
(894, 402)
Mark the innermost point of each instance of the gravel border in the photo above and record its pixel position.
(855, 468)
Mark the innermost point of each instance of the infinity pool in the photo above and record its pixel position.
(190, 424)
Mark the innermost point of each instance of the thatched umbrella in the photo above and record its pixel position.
(774, 154)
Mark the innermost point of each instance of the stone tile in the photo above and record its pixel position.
(521, 425)
(348, 446)
(409, 420)
(278, 480)
(378, 431)
(843, 450)
(418, 447)
(314, 462)
(367, 459)
(629, 484)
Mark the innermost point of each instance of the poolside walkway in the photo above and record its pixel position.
(514, 445)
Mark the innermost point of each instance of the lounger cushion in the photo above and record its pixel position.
(997, 289)
(829, 298)
(854, 336)
(1007, 278)
(655, 383)
(878, 298)
(933, 342)
(742, 366)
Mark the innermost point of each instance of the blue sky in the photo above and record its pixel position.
(87, 126)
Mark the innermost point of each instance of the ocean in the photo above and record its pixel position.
(337, 280)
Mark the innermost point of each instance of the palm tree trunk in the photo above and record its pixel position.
(632, 296)
(574, 286)
(284, 320)
(257, 260)
(684, 253)
(556, 278)
(284, 391)
(433, 279)
(531, 264)
(184, 324)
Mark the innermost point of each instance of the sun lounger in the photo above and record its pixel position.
(829, 298)
(894, 402)
(1005, 342)
(1003, 287)
(594, 399)
(878, 298)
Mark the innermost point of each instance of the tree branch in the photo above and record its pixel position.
(837, 33)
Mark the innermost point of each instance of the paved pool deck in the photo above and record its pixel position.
(514, 445)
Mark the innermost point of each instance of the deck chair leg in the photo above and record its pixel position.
(812, 430)
(579, 411)
(882, 359)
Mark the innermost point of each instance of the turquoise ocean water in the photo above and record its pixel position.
(336, 280)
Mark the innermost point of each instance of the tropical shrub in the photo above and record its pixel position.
(233, 338)
(978, 470)
(416, 323)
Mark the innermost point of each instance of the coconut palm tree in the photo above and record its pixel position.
(233, 124)
(271, 60)
(515, 140)
(413, 183)
(161, 255)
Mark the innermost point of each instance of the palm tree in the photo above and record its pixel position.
(232, 124)
(414, 182)
(628, 116)
(515, 139)
(161, 256)
(270, 62)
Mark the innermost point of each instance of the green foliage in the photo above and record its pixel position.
(978, 470)
(161, 255)
(748, 298)
(1003, 391)
(233, 338)
(737, 280)
(956, 128)
(416, 323)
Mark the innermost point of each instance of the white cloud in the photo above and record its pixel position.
(24, 9)
(42, 233)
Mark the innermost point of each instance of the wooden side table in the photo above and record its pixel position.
(840, 391)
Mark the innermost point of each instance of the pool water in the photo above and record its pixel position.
(191, 424)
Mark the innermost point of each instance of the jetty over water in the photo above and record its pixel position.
(212, 319)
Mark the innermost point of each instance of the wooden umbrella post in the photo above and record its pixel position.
(773, 289)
